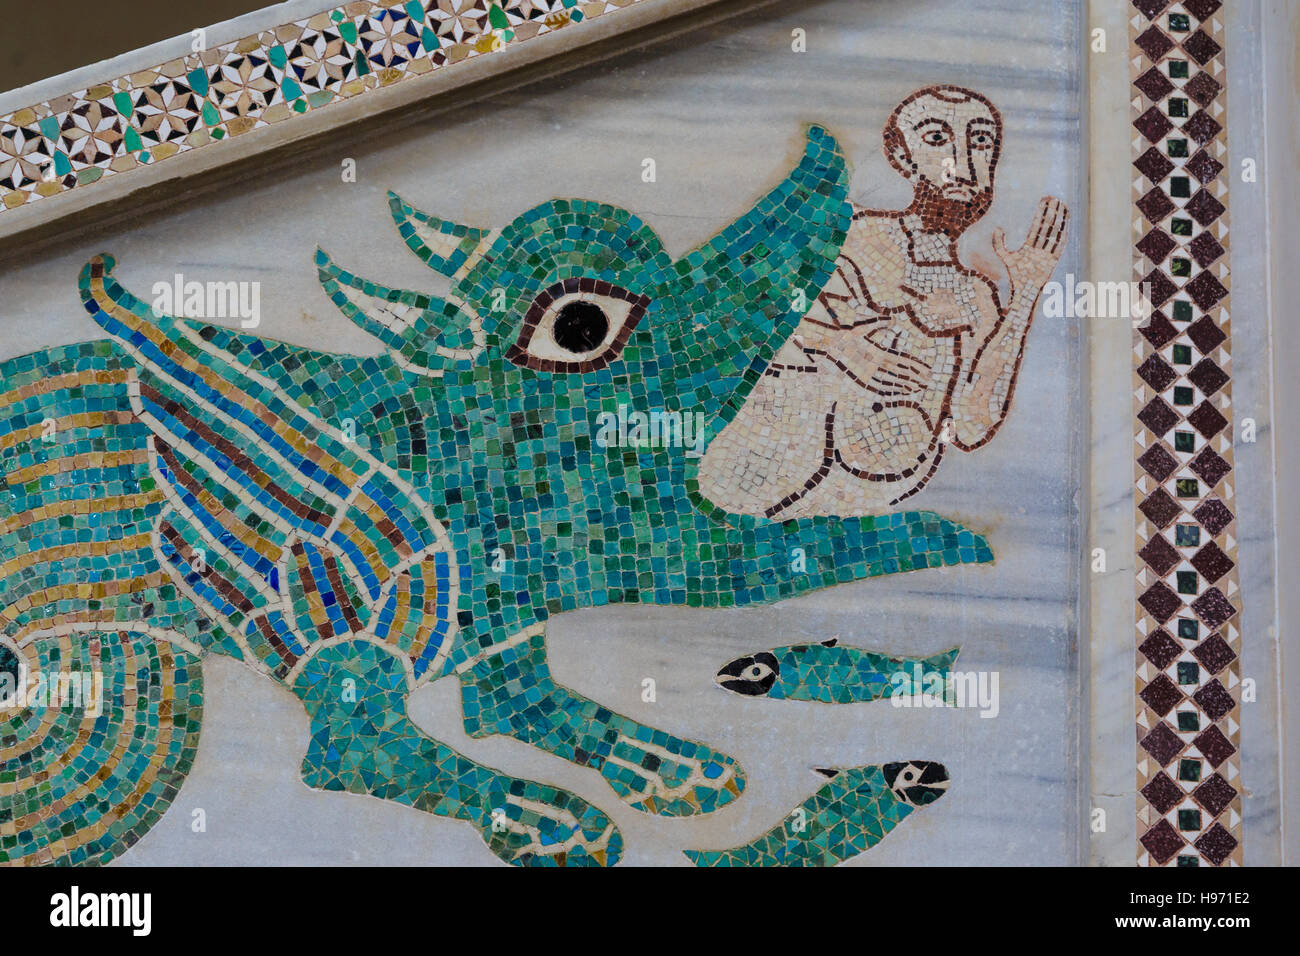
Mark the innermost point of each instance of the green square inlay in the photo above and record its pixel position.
(1182, 355)
(1189, 769)
(1182, 311)
(1188, 629)
(1176, 148)
(1180, 22)
(1189, 819)
(1178, 107)
(1186, 585)
(1187, 535)
(1189, 720)
(1189, 672)
(1180, 227)
(1180, 187)
(1178, 69)
(1187, 488)
(1180, 267)
(1186, 860)
(1184, 441)
(1183, 394)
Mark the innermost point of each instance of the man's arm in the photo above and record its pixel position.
(991, 359)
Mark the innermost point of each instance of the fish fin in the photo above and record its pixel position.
(830, 773)
(942, 661)
(832, 642)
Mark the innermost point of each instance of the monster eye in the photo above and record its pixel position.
(577, 325)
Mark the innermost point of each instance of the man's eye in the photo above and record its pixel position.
(577, 325)
(935, 137)
(982, 141)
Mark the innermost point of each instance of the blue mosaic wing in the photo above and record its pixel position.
(277, 522)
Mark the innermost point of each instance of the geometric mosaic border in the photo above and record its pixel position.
(1188, 676)
(200, 100)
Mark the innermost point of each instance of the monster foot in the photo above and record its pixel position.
(363, 742)
(511, 692)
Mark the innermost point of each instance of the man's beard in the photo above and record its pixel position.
(939, 213)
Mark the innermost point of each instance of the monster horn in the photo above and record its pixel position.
(444, 245)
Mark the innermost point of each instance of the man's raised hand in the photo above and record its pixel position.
(1031, 265)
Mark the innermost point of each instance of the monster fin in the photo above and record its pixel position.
(942, 661)
(425, 334)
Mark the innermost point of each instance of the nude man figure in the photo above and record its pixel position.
(906, 351)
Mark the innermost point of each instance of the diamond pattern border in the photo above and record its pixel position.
(74, 141)
(1188, 676)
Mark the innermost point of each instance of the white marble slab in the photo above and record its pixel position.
(721, 112)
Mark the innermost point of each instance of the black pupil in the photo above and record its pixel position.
(580, 327)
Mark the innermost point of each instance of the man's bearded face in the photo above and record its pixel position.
(952, 151)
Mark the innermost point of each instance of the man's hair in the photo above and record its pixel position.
(893, 134)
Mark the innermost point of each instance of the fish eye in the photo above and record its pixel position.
(578, 325)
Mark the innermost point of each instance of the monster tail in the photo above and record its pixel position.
(102, 698)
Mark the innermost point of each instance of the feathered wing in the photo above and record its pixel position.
(277, 523)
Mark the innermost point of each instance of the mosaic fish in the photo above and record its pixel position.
(354, 527)
(833, 673)
(853, 812)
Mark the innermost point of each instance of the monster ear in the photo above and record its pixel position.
(425, 334)
(751, 283)
(444, 245)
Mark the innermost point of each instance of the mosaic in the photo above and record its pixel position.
(206, 97)
(353, 527)
(906, 351)
(833, 673)
(846, 817)
(1188, 601)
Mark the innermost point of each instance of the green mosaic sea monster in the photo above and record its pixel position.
(832, 673)
(354, 527)
(846, 817)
